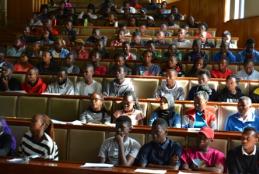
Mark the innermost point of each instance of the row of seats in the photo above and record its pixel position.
(153, 83)
(150, 31)
(73, 141)
(25, 106)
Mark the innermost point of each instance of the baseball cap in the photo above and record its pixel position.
(208, 132)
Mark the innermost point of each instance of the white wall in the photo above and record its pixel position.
(251, 8)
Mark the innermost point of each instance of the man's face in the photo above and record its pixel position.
(88, 73)
(148, 57)
(203, 142)
(32, 76)
(120, 74)
(62, 77)
(170, 78)
(248, 140)
(243, 107)
(203, 79)
(249, 68)
(158, 133)
(231, 84)
(96, 102)
(250, 47)
(120, 61)
(200, 103)
(122, 129)
(128, 103)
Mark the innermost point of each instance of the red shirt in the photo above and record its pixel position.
(100, 70)
(22, 68)
(83, 54)
(38, 88)
(218, 74)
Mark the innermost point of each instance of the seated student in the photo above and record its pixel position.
(244, 158)
(96, 112)
(131, 109)
(88, 85)
(46, 38)
(23, 64)
(170, 86)
(224, 52)
(166, 111)
(111, 20)
(245, 117)
(7, 140)
(222, 70)
(181, 40)
(62, 85)
(17, 49)
(3, 60)
(127, 52)
(231, 92)
(136, 40)
(171, 22)
(159, 40)
(120, 149)
(120, 85)
(69, 32)
(80, 50)
(161, 152)
(249, 52)
(200, 116)
(100, 47)
(197, 52)
(173, 51)
(191, 22)
(119, 60)
(47, 65)
(226, 37)
(59, 50)
(119, 40)
(150, 45)
(39, 140)
(96, 58)
(248, 72)
(173, 63)
(33, 83)
(95, 37)
(203, 157)
(164, 29)
(203, 79)
(203, 34)
(198, 66)
(132, 22)
(148, 68)
(71, 68)
(7, 82)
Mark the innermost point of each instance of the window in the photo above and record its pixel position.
(234, 9)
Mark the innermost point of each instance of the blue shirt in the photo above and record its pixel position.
(174, 120)
(230, 57)
(242, 56)
(199, 122)
(153, 70)
(160, 154)
(234, 124)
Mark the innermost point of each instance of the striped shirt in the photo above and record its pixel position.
(46, 149)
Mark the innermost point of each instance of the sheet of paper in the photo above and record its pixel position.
(16, 160)
(150, 171)
(58, 122)
(193, 129)
(102, 165)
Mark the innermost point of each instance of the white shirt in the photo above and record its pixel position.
(244, 76)
(253, 153)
